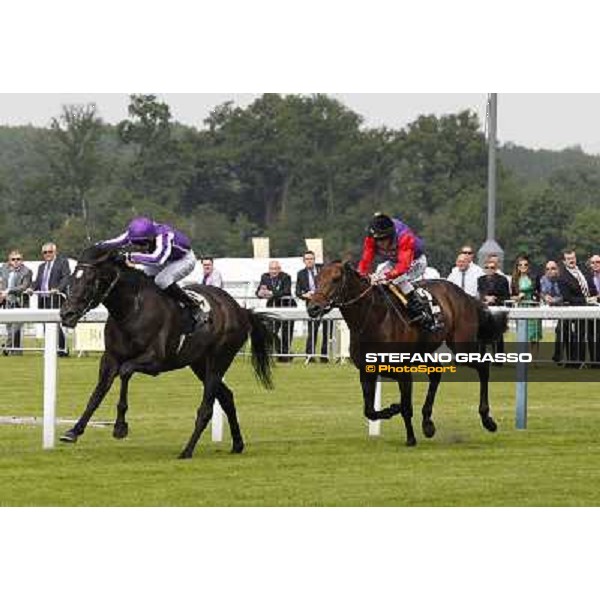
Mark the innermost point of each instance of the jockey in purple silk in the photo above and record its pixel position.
(168, 256)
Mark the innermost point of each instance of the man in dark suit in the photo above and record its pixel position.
(276, 287)
(305, 288)
(51, 281)
(550, 295)
(594, 326)
(15, 278)
(575, 287)
(493, 291)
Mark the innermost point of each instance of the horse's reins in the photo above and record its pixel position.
(108, 290)
(394, 308)
(333, 303)
(338, 304)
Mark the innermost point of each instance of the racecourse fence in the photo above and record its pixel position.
(18, 338)
(577, 341)
(577, 330)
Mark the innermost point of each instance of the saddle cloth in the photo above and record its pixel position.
(199, 299)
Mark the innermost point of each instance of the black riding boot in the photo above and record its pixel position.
(197, 314)
(419, 311)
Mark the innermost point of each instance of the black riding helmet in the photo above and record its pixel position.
(381, 226)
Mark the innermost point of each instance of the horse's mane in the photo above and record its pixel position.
(97, 254)
(94, 253)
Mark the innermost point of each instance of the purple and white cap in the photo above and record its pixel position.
(141, 228)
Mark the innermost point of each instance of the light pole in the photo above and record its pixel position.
(491, 246)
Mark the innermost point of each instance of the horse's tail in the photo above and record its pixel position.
(262, 341)
(491, 324)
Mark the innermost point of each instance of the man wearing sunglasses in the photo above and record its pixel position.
(15, 278)
(51, 283)
(469, 253)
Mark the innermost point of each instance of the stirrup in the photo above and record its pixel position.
(434, 326)
(420, 318)
(199, 316)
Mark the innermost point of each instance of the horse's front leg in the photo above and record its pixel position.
(369, 386)
(406, 409)
(145, 363)
(149, 362)
(109, 367)
(121, 428)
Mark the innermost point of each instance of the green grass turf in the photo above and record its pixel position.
(306, 444)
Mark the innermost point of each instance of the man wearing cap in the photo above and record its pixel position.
(165, 254)
(405, 262)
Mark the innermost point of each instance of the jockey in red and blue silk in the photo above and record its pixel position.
(392, 240)
(404, 262)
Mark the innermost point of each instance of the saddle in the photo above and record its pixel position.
(196, 315)
(422, 300)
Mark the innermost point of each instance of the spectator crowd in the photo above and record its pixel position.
(563, 282)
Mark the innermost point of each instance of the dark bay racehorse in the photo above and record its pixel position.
(142, 335)
(374, 315)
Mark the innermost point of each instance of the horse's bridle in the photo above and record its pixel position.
(97, 285)
(333, 303)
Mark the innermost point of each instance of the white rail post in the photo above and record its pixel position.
(375, 426)
(217, 422)
(50, 379)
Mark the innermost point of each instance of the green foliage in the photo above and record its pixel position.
(583, 233)
(287, 167)
(73, 159)
(538, 165)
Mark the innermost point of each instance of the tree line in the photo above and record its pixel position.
(287, 167)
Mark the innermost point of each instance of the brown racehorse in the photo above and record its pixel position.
(374, 315)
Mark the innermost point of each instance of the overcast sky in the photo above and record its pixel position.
(552, 121)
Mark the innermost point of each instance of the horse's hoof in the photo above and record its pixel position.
(69, 437)
(428, 429)
(121, 431)
(237, 448)
(489, 424)
(185, 455)
(411, 442)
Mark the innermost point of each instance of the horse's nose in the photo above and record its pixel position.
(313, 310)
(68, 317)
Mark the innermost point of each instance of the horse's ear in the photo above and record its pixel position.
(348, 266)
(118, 258)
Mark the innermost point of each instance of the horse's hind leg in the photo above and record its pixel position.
(205, 410)
(428, 425)
(406, 409)
(225, 398)
(483, 370)
(121, 428)
(108, 371)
